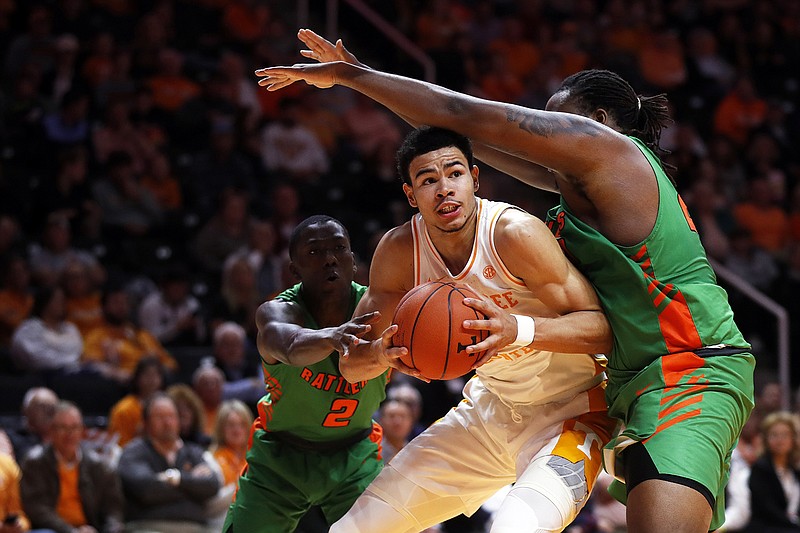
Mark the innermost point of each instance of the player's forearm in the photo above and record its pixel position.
(419, 102)
(578, 332)
(302, 347)
(516, 167)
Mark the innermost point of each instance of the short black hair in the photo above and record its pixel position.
(426, 139)
(294, 239)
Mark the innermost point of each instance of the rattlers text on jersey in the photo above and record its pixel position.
(520, 375)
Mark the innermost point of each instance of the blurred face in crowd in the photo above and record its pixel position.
(162, 424)
(235, 430)
(39, 411)
(397, 420)
(67, 432)
(229, 349)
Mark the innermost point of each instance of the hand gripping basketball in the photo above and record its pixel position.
(429, 320)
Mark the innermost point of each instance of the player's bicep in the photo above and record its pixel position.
(390, 277)
(533, 254)
(277, 323)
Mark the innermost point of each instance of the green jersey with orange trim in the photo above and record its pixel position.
(661, 295)
(314, 402)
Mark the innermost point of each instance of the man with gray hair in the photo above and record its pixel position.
(244, 376)
(38, 407)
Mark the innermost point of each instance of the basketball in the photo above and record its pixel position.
(429, 320)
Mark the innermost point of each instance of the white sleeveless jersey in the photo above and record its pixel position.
(520, 375)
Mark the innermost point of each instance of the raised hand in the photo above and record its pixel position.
(322, 50)
(276, 78)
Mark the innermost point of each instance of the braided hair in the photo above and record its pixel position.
(639, 116)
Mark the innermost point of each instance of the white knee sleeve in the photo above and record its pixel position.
(545, 499)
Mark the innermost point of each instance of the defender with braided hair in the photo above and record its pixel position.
(680, 372)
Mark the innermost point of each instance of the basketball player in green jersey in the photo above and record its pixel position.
(680, 372)
(314, 441)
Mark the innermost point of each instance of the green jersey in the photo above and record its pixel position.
(314, 402)
(661, 295)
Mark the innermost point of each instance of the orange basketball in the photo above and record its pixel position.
(429, 320)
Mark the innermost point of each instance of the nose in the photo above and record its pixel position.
(445, 188)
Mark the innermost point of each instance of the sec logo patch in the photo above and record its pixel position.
(489, 272)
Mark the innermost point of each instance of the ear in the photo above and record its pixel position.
(476, 184)
(294, 272)
(409, 192)
(601, 116)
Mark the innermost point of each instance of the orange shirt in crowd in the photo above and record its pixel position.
(10, 502)
(86, 312)
(125, 419)
(230, 462)
(126, 346)
(768, 226)
(69, 506)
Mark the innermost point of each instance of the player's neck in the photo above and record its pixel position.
(455, 247)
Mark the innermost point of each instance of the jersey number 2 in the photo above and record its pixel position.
(341, 411)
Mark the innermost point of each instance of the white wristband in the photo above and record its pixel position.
(525, 330)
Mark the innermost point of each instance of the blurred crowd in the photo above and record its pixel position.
(148, 186)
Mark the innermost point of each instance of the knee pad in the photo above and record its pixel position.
(545, 499)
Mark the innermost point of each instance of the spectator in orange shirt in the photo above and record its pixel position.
(740, 112)
(171, 88)
(231, 433)
(66, 487)
(12, 517)
(84, 305)
(116, 346)
(208, 383)
(763, 218)
(125, 420)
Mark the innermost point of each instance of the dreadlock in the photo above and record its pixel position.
(642, 117)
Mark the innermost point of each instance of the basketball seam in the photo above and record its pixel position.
(416, 320)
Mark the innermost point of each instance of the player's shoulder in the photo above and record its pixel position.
(398, 238)
(514, 223)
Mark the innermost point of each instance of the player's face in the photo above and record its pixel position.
(443, 188)
(323, 257)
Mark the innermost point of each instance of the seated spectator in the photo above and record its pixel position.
(46, 342)
(166, 480)
(66, 194)
(172, 314)
(191, 414)
(762, 214)
(38, 407)
(410, 395)
(12, 517)
(125, 419)
(50, 258)
(397, 420)
(115, 347)
(261, 252)
(65, 486)
(224, 233)
(774, 477)
(129, 210)
(241, 366)
(84, 299)
(231, 434)
(208, 383)
(16, 296)
(289, 148)
(237, 299)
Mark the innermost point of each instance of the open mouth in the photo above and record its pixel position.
(332, 276)
(449, 209)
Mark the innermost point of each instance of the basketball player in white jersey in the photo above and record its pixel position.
(534, 414)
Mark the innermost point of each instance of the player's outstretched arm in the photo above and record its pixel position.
(573, 145)
(321, 50)
(282, 336)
